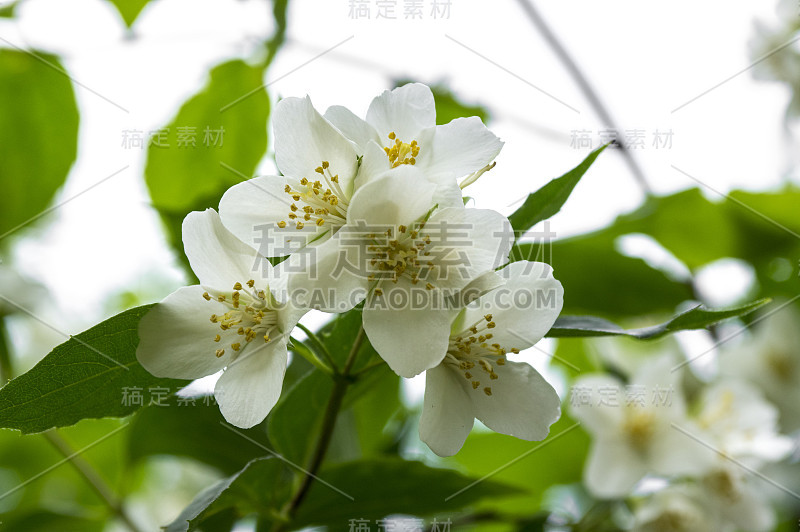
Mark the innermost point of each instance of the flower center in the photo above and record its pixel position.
(639, 428)
(249, 313)
(471, 349)
(723, 483)
(405, 255)
(399, 152)
(674, 519)
(320, 202)
(782, 364)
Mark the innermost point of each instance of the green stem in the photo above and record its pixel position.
(300, 348)
(6, 370)
(91, 476)
(319, 346)
(342, 382)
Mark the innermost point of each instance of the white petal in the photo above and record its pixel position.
(468, 242)
(176, 337)
(352, 127)
(217, 257)
(446, 412)
(303, 139)
(406, 111)
(456, 149)
(399, 197)
(598, 415)
(408, 327)
(448, 195)
(373, 166)
(331, 277)
(252, 210)
(522, 404)
(251, 385)
(524, 308)
(672, 452)
(612, 469)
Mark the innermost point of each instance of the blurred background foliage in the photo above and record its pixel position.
(162, 457)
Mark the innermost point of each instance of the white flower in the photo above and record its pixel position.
(405, 257)
(675, 509)
(737, 499)
(323, 169)
(770, 359)
(231, 320)
(741, 425)
(309, 202)
(475, 379)
(401, 123)
(739, 422)
(632, 429)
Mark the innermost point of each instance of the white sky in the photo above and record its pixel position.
(645, 59)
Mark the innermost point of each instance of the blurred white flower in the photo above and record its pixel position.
(400, 128)
(475, 379)
(742, 426)
(770, 359)
(231, 320)
(675, 509)
(739, 422)
(405, 257)
(632, 428)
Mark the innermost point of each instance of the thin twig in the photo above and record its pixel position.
(92, 477)
(6, 373)
(586, 88)
(319, 346)
(341, 383)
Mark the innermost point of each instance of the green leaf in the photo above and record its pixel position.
(8, 11)
(548, 200)
(338, 336)
(379, 487)
(194, 431)
(379, 415)
(260, 487)
(181, 178)
(129, 9)
(295, 420)
(531, 466)
(85, 377)
(599, 280)
(695, 318)
(38, 134)
(47, 521)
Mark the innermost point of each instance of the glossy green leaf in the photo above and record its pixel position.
(260, 487)
(372, 489)
(215, 141)
(599, 280)
(194, 429)
(38, 134)
(129, 9)
(695, 318)
(548, 200)
(92, 375)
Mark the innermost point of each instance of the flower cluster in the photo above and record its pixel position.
(708, 447)
(368, 212)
